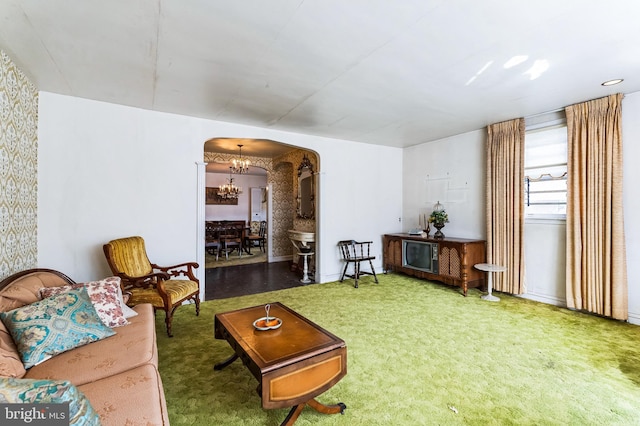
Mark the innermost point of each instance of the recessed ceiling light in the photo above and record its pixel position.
(612, 82)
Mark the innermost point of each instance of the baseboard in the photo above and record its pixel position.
(542, 298)
(634, 318)
(329, 278)
(281, 258)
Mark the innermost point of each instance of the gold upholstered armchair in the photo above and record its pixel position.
(165, 287)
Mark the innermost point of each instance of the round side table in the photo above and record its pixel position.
(489, 268)
(305, 263)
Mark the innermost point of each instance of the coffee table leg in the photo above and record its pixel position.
(293, 415)
(318, 406)
(223, 364)
(327, 409)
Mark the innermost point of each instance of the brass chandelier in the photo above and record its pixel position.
(240, 166)
(229, 190)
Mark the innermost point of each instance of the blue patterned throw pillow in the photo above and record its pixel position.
(21, 391)
(54, 325)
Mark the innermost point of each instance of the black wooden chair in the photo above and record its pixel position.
(213, 244)
(231, 238)
(354, 252)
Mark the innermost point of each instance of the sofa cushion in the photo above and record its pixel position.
(20, 391)
(128, 312)
(105, 295)
(132, 346)
(10, 362)
(134, 397)
(51, 326)
(25, 290)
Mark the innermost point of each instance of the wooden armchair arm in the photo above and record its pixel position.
(145, 281)
(182, 269)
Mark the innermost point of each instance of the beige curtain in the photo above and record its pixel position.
(596, 259)
(505, 203)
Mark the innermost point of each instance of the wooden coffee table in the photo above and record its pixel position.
(293, 364)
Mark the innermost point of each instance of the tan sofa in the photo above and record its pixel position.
(119, 374)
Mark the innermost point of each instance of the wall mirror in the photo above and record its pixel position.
(306, 195)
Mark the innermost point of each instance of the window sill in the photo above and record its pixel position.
(546, 220)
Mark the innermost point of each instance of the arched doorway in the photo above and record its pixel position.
(280, 162)
(245, 211)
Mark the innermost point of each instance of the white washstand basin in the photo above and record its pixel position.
(301, 241)
(301, 238)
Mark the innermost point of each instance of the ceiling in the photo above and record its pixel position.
(250, 148)
(395, 73)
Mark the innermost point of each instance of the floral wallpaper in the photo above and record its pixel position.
(18, 169)
(283, 209)
(295, 158)
(288, 206)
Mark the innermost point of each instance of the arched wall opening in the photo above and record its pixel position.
(279, 162)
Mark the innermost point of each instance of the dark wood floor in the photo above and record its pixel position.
(240, 280)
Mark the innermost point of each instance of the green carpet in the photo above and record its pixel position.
(420, 354)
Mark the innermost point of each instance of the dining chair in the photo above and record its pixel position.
(213, 244)
(257, 236)
(231, 239)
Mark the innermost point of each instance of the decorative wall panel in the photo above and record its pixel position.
(18, 169)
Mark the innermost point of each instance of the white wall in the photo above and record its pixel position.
(107, 171)
(451, 171)
(455, 167)
(545, 250)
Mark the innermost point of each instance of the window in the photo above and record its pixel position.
(545, 168)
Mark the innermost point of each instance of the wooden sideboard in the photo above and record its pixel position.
(456, 257)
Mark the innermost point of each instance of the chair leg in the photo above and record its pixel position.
(373, 271)
(344, 271)
(167, 320)
(356, 273)
(197, 300)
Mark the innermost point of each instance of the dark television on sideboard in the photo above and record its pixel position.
(420, 255)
